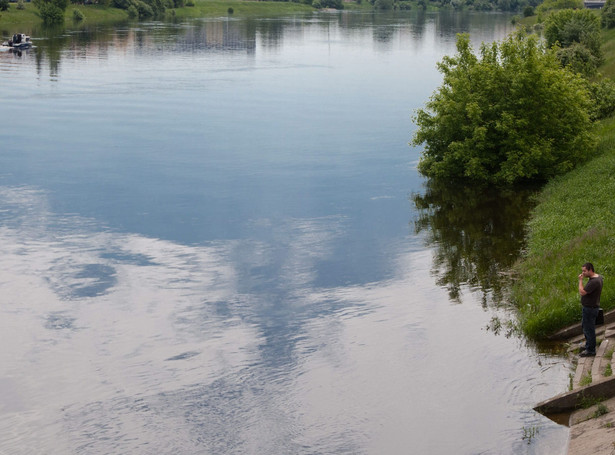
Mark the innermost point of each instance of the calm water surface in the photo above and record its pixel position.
(213, 239)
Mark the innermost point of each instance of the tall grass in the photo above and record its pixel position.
(573, 223)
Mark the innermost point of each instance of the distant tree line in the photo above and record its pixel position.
(477, 5)
(487, 5)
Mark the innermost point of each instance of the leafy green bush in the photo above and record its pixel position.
(607, 15)
(148, 8)
(483, 5)
(4, 5)
(144, 9)
(21, 5)
(50, 13)
(78, 16)
(513, 114)
(603, 98)
(316, 4)
(336, 4)
(383, 4)
(574, 26)
(550, 5)
(133, 12)
(528, 11)
(578, 58)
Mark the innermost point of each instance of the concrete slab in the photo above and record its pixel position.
(591, 433)
(592, 430)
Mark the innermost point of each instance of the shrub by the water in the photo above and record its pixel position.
(383, 4)
(603, 98)
(569, 26)
(78, 16)
(578, 58)
(51, 14)
(607, 14)
(147, 8)
(510, 115)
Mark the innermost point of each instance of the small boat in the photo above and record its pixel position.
(19, 41)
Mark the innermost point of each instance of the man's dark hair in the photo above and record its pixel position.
(589, 266)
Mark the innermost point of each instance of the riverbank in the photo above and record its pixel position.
(572, 223)
(27, 18)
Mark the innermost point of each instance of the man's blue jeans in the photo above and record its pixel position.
(589, 328)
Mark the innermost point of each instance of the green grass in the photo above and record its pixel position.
(25, 20)
(600, 411)
(18, 20)
(573, 223)
(530, 433)
(587, 402)
(586, 380)
(608, 68)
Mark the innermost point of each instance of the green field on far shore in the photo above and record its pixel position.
(15, 20)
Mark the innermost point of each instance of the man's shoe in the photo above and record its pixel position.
(587, 354)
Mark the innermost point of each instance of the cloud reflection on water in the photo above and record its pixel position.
(119, 343)
(111, 318)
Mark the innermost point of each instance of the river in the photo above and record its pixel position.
(214, 240)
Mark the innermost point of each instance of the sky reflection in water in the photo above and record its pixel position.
(218, 258)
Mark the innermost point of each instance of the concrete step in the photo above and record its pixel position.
(593, 366)
(572, 400)
(584, 368)
(576, 331)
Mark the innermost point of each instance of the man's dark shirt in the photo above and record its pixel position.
(593, 289)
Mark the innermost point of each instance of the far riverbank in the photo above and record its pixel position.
(29, 17)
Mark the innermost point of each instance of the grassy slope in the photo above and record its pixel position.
(573, 223)
(15, 20)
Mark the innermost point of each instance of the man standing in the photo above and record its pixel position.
(590, 300)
